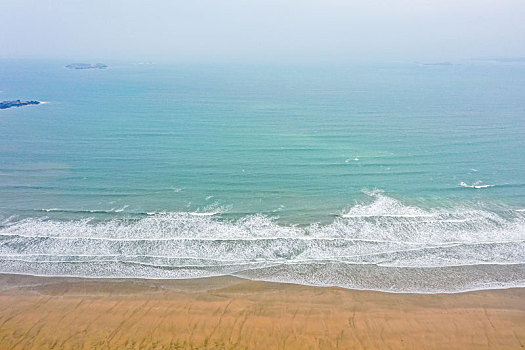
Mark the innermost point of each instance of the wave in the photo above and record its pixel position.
(476, 184)
(195, 213)
(123, 210)
(384, 244)
(384, 206)
(84, 211)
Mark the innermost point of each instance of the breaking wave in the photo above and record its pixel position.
(477, 185)
(381, 245)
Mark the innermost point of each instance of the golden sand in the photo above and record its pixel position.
(231, 313)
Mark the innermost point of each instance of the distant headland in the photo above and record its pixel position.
(17, 103)
(87, 66)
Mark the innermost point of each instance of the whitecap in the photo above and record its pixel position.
(121, 209)
(384, 206)
(195, 213)
(476, 185)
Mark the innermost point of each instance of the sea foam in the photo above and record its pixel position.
(384, 244)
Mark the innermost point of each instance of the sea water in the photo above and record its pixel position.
(398, 177)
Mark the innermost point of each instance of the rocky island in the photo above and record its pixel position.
(17, 103)
(86, 66)
(439, 64)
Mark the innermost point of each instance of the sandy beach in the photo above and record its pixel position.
(232, 313)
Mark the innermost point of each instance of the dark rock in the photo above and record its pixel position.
(17, 103)
(86, 66)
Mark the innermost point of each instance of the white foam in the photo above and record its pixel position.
(476, 185)
(356, 159)
(204, 213)
(86, 211)
(121, 209)
(384, 206)
(371, 239)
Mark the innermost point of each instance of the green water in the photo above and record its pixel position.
(429, 156)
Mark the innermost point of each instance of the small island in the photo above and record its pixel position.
(17, 103)
(439, 64)
(86, 66)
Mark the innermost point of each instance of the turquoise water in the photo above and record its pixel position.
(395, 177)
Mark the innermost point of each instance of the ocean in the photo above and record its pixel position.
(398, 177)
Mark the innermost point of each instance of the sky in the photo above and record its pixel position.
(262, 30)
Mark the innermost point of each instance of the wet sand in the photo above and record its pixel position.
(232, 313)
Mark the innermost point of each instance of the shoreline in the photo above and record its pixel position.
(154, 280)
(229, 312)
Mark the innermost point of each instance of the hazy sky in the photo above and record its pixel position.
(262, 30)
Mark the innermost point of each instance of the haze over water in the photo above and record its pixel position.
(393, 176)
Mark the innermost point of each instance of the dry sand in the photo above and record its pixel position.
(231, 313)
